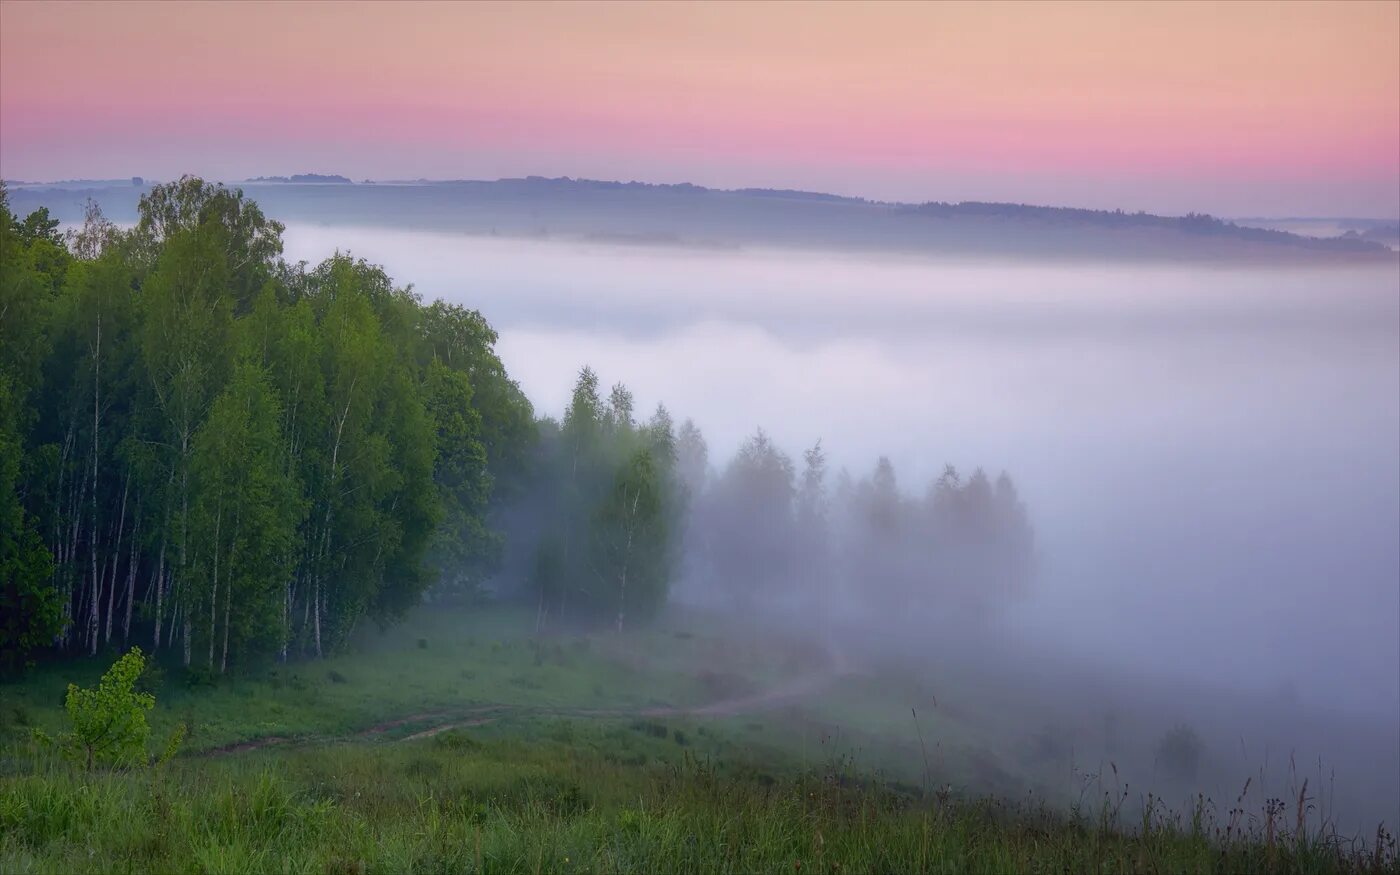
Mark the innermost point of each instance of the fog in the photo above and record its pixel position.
(1209, 456)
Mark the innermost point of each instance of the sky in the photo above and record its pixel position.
(1251, 109)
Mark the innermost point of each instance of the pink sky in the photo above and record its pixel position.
(1242, 109)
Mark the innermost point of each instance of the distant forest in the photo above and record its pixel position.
(231, 459)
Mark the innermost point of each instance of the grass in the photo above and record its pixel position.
(462, 744)
(458, 802)
(469, 659)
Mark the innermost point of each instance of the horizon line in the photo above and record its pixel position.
(278, 180)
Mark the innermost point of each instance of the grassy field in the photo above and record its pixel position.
(458, 742)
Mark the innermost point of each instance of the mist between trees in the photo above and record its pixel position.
(759, 534)
(212, 452)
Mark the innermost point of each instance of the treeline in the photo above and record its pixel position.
(222, 456)
(205, 449)
(620, 512)
(766, 533)
(599, 524)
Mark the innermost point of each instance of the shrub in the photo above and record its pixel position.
(109, 722)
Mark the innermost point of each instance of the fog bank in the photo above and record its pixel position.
(1209, 456)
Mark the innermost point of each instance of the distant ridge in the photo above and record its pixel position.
(1191, 223)
(1195, 223)
(568, 183)
(685, 214)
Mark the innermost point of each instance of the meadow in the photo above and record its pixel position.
(462, 741)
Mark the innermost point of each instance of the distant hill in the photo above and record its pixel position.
(1191, 223)
(683, 214)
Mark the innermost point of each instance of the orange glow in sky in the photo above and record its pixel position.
(1247, 109)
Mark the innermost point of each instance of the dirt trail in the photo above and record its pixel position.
(793, 691)
(442, 720)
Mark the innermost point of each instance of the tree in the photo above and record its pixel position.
(462, 340)
(243, 242)
(812, 523)
(30, 608)
(811, 494)
(109, 722)
(618, 416)
(245, 518)
(749, 517)
(692, 458)
(96, 235)
(631, 546)
(186, 325)
(38, 226)
(465, 550)
(229, 452)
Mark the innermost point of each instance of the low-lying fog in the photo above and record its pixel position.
(1209, 456)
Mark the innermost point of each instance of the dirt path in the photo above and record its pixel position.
(786, 694)
(442, 720)
(426, 724)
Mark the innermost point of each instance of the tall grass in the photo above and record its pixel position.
(457, 802)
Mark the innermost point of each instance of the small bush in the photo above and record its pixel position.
(109, 723)
(336, 677)
(422, 643)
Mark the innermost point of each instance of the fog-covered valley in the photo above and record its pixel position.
(652, 437)
(1208, 458)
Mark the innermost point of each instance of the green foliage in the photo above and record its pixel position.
(466, 551)
(610, 502)
(228, 455)
(172, 744)
(30, 608)
(244, 518)
(38, 226)
(631, 543)
(109, 722)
